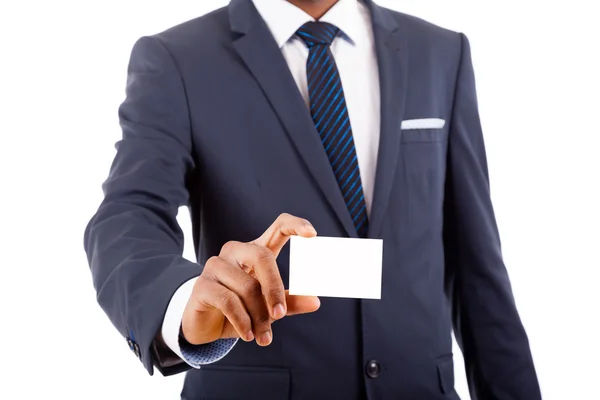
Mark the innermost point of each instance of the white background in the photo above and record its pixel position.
(62, 77)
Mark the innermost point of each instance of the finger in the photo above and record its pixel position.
(250, 292)
(286, 225)
(261, 260)
(231, 306)
(228, 331)
(301, 304)
(296, 305)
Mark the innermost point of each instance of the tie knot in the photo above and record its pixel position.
(314, 33)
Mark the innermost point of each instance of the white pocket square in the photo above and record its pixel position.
(423, 123)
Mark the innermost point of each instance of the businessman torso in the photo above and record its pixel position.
(255, 153)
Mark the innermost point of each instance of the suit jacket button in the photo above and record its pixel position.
(130, 344)
(373, 369)
(136, 349)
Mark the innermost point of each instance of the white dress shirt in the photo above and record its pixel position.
(356, 59)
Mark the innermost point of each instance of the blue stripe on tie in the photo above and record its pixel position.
(317, 61)
(328, 141)
(323, 76)
(349, 177)
(332, 76)
(342, 151)
(341, 175)
(322, 52)
(358, 190)
(362, 197)
(359, 224)
(333, 113)
(327, 32)
(331, 105)
(354, 184)
(332, 126)
(361, 210)
(332, 65)
(311, 58)
(339, 141)
(354, 181)
(316, 114)
(324, 101)
(326, 112)
(341, 126)
(347, 168)
(346, 120)
(308, 35)
(323, 65)
(356, 207)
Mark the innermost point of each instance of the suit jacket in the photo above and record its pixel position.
(213, 120)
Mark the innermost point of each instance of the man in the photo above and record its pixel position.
(272, 118)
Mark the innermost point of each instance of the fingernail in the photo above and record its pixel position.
(249, 336)
(278, 311)
(265, 339)
(310, 228)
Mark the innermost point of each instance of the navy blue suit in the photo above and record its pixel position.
(213, 120)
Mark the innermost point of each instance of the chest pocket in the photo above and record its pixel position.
(423, 135)
(423, 150)
(424, 169)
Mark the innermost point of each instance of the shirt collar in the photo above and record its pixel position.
(284, 19)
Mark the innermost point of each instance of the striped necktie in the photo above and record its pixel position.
(330, 115)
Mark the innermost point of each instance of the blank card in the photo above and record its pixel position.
(336, 267)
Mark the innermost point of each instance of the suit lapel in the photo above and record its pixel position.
(264, 59)
(392, 54)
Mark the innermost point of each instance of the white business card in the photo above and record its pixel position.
(336, 267)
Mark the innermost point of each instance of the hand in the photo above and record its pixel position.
(240, 293)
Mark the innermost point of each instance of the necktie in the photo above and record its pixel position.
(330, 115)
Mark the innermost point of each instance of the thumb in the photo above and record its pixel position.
(301, 304)
(286, 225)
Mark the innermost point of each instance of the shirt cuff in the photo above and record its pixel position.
(209, 353)
(195, 356)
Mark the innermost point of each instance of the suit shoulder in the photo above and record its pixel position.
(208, 28)
(442, 46)
(423, 29)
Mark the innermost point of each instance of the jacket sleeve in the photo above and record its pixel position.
(487, 325)
(133, 243)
